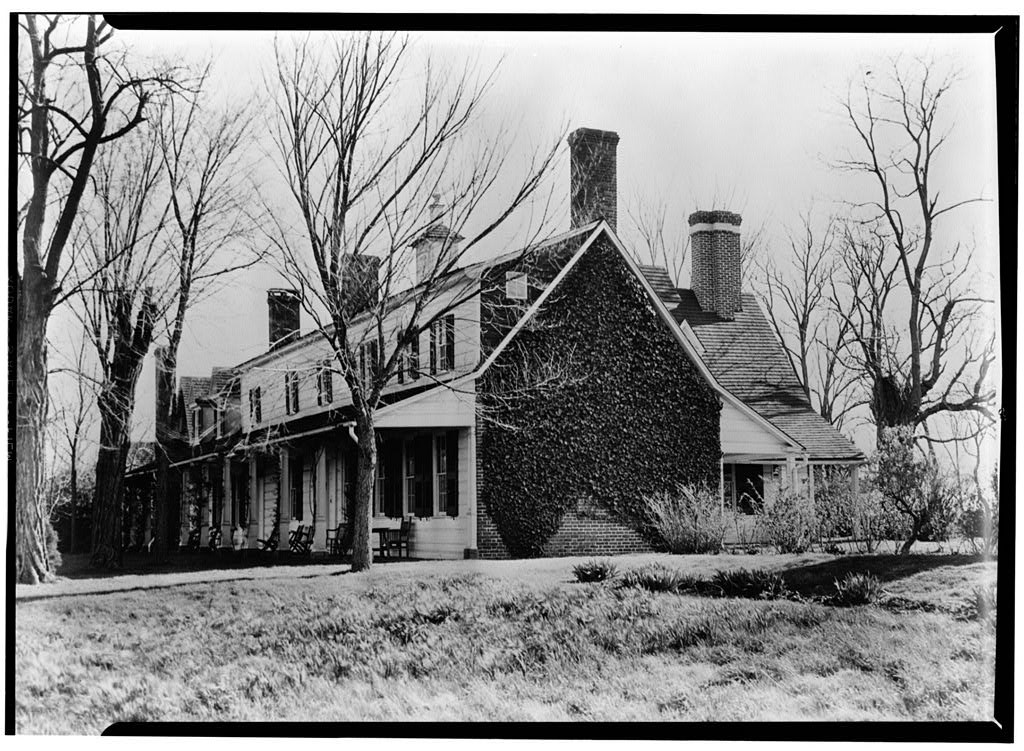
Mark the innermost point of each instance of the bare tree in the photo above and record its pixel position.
(906, 293)
(125, 260)
(75, 415)
(74, 96)
(795, 293)
(205, 156)
(362, 166)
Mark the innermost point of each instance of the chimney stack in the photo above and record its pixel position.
(593, 183)
(283, 309)
(437, 238)
(715, 261)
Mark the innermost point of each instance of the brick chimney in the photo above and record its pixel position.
(283, 315)
(593, 184)
(435, 239)
(715, 261)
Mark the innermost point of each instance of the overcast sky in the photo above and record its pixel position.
(748, 121)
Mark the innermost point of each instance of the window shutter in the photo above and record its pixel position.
(319, 387)
(328, 383)
(414, 358)
(433, 348)
(449, 342)
(424, 452)
(452, 437)
(288, 393)
(259, 404)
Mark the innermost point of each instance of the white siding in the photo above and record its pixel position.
(269, 373)
(440, 408)
(742, 435)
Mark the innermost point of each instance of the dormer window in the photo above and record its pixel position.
(442, 344)
(515, 285)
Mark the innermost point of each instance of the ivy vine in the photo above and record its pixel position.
(627, 415)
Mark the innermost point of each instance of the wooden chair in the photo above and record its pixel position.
(193, 539)
(215, 538)
(399, 538)
(270, 544)
(302, 542)
(335, 539)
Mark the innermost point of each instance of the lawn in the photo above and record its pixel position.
(476, 640)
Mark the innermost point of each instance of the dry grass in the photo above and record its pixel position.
(512, 641)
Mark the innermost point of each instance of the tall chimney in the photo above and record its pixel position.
(164, 394)
(715, 261)
(283, 309)
(436, 239)
(593, 184)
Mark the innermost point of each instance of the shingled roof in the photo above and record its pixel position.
(747, 360)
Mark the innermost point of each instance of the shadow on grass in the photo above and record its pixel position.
(817, 578)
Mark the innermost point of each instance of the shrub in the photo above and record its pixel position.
(687, 520)
(752, 583)
(834, 506)
(658, 578)
(788, 523)
(857, 589)
(595, 571)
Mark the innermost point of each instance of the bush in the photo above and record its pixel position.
(834, 506)
(687, 520)
(788, 523)
(657, 578)
(595, 571)
(857, 589)
(754, 583)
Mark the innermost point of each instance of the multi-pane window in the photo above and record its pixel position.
(410, 475)
(324, 384)
(515, 285)
(255, 406)
(441, 472)
(291, 392)
(442, 344)
(410, 366)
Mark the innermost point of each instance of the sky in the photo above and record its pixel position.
(747, 122)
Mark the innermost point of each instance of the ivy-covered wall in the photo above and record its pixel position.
(594, 402)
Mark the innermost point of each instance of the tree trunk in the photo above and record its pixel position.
(74, 495)
(362, 521)
(108, 500)
(32, 562)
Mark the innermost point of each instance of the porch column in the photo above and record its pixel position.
(721, 484)
(790, 483)
(207, 512)
(322, 497)
(470, 494)
(284, 501)
(855, 488)
(810, 480)
(255, 506)
(226, 507)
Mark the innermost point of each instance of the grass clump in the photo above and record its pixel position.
(982, 605)
(857, 589)
(658, 578)
(753, 583)
(595, 571)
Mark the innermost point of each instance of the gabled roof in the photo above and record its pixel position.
(749, 361)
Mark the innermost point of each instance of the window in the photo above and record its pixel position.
(409, 368)
(410, 476)
(515, 285)
(291, 392)
(255, 407)
(442, 344)
(369, 361)
(295, 477)
(441, 472)
(324, 384)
